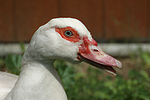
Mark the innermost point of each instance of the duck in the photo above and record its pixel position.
(61, 38)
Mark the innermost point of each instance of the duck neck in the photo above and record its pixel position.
(39, 81)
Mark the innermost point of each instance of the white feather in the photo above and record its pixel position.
(38, 79)
(7, 82)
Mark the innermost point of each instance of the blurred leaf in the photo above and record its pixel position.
(13, 63)
(22, 46)
(146, 57)
(1, 61)
(65, 72)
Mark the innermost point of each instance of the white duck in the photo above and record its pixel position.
(61, 38)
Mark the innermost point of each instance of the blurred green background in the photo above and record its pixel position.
(85, 82)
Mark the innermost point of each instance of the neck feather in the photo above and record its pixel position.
(38, 81)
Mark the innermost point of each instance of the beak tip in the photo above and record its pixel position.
(119, 64)
(113, 73)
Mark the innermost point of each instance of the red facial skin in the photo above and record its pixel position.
(86, 42)
(89, 51)
(75, 36)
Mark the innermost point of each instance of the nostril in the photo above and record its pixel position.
(95, 50)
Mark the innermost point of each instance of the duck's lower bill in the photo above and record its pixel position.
(95, 56)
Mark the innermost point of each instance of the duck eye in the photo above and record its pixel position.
(68, 33)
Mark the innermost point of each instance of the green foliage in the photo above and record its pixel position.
(146, 57)
(136, 87)
(13, 63)
(91, 87)
(1, 61)
(65, 72)
(93, 84)
(22, 47)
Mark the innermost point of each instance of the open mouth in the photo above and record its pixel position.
(90, 52)
(104, 67)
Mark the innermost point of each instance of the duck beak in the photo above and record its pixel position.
(89, 52)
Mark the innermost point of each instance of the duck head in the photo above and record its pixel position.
(68, 39)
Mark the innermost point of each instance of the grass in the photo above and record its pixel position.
(84, 82)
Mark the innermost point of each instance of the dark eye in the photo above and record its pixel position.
(68, 33)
